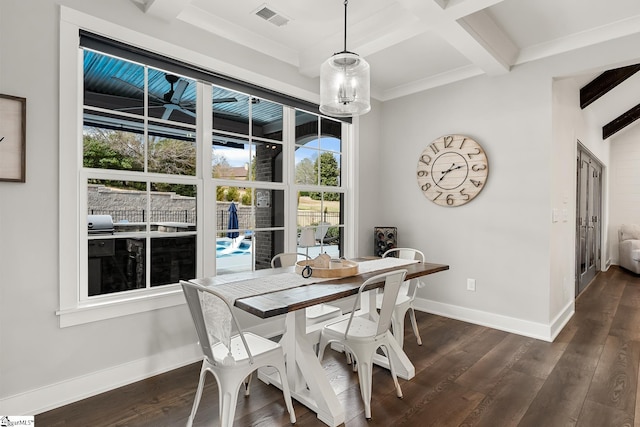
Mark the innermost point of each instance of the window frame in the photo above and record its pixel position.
(73, 310)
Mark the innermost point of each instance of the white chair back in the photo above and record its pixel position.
(214, 320)
(392, 282)
(286, 259)
(407, 253)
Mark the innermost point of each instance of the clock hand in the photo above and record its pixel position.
(444, 173)
(448, 170)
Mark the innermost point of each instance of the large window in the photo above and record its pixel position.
(179, 175)
(318, 168)
(139, 164)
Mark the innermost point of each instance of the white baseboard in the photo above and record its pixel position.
(562, 318)
(541, 331)
(53, 396)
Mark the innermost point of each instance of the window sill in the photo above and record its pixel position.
(95, 311)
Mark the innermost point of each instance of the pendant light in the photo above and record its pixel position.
(344, 82)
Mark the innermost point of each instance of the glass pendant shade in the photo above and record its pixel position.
(344, 85)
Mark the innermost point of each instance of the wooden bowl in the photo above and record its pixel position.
(347, 268)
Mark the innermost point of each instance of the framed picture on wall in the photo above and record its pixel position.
(13, 125)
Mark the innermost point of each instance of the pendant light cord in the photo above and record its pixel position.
(345, 24)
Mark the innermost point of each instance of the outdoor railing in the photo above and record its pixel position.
(305, 218)
(142, 215)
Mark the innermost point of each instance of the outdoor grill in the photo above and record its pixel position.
(99, 250)
(100, 224)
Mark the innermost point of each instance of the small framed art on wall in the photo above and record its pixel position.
(13, 124)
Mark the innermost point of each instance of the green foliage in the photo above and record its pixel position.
(329, 173)
(233, 195)
(101, 154)
(219, 194)
(118, 150)
(333, 232)
(246, 198)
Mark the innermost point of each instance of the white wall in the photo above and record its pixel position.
(503, 238)
(625, 184)
(500, 238)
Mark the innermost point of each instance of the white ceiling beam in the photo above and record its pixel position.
(391, 26)
(622, 28)
(167, 10)
(430, 82)
(485, 44)
(457, 9)
(476, 36)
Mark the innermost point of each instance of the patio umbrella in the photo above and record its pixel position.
(233, 221)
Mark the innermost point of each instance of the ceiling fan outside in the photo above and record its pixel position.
(172, 100)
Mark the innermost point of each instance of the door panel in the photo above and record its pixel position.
(589, 207)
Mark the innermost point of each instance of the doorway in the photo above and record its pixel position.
(588, 218)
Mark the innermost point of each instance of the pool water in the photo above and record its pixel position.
(243, 249)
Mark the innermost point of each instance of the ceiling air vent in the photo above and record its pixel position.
(271, 15)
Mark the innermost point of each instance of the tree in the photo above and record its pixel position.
(329, 173)
(119, 150)
(306, 172)
(108, 149)
(221, 166)
(172, 156)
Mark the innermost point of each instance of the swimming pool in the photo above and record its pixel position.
(223, 245)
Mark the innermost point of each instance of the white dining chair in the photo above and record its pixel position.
(287, 259)
(361, 336)
(406, 296)
(230, 358)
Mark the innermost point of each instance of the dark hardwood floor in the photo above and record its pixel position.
(466, 375)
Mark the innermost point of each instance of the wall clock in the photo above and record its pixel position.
(452, 170)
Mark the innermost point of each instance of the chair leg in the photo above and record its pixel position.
(228, 401)
(392, 368)
(364, 377)
(282, 371)
(196, 400)
(414, 324)
(322, 345)
(247, 385)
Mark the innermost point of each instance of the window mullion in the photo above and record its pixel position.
(207, 191)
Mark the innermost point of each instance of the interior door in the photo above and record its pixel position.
(589, 206)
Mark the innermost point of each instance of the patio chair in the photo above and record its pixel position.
(231, 359)
(361, 336)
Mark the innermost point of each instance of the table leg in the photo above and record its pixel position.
(307, 379)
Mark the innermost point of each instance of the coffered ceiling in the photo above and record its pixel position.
(412, 45)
